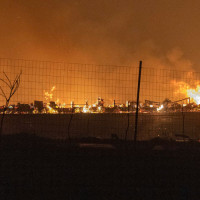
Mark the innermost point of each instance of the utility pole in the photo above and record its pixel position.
(138, 99)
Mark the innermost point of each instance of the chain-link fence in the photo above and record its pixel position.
(59, 100)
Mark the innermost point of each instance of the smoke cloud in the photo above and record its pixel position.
(102, 32)
(162, 34)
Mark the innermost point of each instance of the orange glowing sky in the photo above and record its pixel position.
(160, 32)
(109, 32)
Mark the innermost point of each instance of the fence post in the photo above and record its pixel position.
(183, 117)
(138, 98)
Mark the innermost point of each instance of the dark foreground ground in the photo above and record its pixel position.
(38, 168)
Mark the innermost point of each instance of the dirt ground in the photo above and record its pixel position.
(39, 168)
(103, 125)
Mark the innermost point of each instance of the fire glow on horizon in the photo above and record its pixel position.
(86, 108)
(192, 92)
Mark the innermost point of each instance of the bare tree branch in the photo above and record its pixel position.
(13, 89)
(8, 79)
(3, 93)
(5, 82)
(17, 78)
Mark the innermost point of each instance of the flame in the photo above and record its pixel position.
(194, 94)
(57, 101)
(51, 110)
(86, 109)
(49, 95)
(63, 105)
(53, 88)
(160, 108)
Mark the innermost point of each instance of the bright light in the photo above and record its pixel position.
(51, 110)
(160, 108)
(49, 95)
(194, 94)
(86, 109)
(188, 91)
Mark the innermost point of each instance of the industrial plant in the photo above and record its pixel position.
(40, 107)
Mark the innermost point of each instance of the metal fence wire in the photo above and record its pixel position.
(58, 99)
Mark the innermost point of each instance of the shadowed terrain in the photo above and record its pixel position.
(39, 168)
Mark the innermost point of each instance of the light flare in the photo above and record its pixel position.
(86, 109)
(194, 94)
(160, 108)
